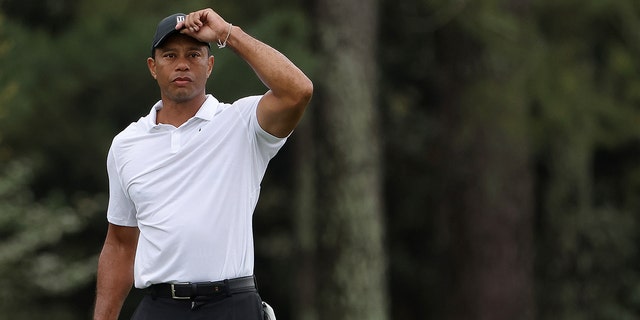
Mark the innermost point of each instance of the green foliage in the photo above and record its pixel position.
(586, 115)
(32, 255)
(572, 68)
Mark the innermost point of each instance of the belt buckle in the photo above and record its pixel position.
(173, 292)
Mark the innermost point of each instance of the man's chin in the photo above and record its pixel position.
(181, 97)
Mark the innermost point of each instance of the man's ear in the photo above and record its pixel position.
(210, 65)
(151, 63)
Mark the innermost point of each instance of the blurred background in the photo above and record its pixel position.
(459, 160)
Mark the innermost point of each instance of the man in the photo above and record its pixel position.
(184, 180)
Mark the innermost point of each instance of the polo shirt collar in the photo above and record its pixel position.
(208, 109)
(206, 112)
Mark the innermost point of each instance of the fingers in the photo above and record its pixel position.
(203, 25)
(195, 20)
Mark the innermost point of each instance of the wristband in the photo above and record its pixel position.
(224, 44)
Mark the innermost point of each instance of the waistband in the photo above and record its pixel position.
(190, 290)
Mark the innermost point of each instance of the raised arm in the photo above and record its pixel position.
(289, 88)
(115, 271)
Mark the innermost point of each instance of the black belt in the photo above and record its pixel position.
(190, 290)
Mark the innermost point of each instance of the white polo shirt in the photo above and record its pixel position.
(191, 191)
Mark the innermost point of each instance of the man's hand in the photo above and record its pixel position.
(204, 25)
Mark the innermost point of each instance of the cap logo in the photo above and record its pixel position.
(179, 19)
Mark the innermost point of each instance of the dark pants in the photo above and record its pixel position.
(241, 306)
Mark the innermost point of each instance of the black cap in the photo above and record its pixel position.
(165, 28)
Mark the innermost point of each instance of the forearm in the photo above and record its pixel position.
(290, 90)
(285, 80)
(115, 279)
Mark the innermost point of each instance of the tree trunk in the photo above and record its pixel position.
(487, 177)
(304, 293)
(351, 260)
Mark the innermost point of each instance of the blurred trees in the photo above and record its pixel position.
(486, 207)
(481, 99)
(351, 262)
(510, 152)
(587, 116)
(29, 257)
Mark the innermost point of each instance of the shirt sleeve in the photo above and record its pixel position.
(121, 210)
(267, 144)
